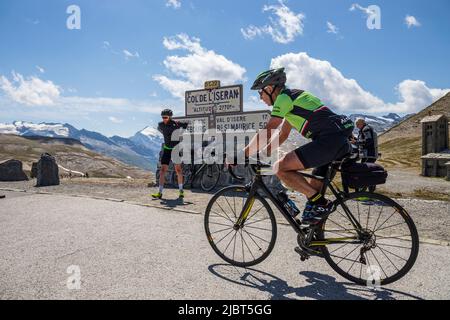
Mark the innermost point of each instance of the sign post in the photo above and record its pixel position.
(219, 100)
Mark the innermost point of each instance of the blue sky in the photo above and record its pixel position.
(117, 72)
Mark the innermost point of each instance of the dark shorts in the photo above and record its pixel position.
(322, 151)
(166, 157)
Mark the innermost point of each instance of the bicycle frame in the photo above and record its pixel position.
(258, 184)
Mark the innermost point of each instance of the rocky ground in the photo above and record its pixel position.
(417, 194)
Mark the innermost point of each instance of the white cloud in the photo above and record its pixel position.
(284, 26)
(40, 69)
(366, 11)
(346, 95)
(176, 4)
(411, 21)
(331, 28)
(30, 91)
(129, 55)
(115, 120)
(197, 66)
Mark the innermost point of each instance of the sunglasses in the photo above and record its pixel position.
(263, 90)
(165, 118)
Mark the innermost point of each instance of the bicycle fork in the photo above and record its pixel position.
(245, 212)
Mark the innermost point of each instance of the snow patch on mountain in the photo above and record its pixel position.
(53, 130)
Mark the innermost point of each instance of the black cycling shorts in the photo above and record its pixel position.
(322, 151)
(166, 157)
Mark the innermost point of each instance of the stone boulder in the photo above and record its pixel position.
(47, 171)
(11, 170)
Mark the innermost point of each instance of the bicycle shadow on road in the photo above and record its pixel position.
(320, 286)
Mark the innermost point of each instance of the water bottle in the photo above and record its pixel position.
(288, 204)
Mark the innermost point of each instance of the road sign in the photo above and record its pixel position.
(200, 124)
(215, 101)
(244, 121)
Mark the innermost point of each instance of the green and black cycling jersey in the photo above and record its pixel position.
(168, 129)
(307, 114)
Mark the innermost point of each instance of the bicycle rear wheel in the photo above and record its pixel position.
(187, 175)
(210, 177)
(246, 246)
(383, 251)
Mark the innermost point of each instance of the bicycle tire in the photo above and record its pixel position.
(266, 253)
(187, 174)
(407, 219)
(214, 178)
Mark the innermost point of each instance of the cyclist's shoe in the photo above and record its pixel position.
(307, 210)
(314, 214)
(157, 195)
(181, 194)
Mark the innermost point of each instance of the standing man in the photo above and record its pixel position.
(167, 127)
(367, 141)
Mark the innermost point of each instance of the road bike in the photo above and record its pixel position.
(209, 175)
(367, 238)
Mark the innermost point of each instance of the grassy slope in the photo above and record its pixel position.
(401, 146)
(68, 152)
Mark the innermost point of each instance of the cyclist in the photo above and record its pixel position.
(330, 133)
(167, 128)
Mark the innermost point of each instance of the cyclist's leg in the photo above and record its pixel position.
(287, 170)
(162, 174)
(321, 171)
(165, 161)
(179, 171)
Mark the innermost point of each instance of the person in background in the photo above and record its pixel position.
(367, 141)
(167, 127)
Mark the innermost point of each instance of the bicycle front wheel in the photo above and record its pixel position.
(381, 251)
(246, 245)
(210, 177)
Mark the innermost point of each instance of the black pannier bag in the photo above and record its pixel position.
(361, 175)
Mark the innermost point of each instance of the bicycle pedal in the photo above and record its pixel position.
(303, 255)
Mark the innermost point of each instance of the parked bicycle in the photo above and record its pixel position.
(368, 237)
(208, 174)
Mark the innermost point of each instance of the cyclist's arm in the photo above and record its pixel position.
(254, 145)
(283, 105)
(282, 135)
(184, 125)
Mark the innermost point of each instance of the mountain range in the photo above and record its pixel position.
(142, 149)
(381, 124)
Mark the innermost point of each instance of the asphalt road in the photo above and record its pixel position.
(125, 251)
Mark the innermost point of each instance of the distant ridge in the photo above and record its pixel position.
(411, 126)
(401, 146)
